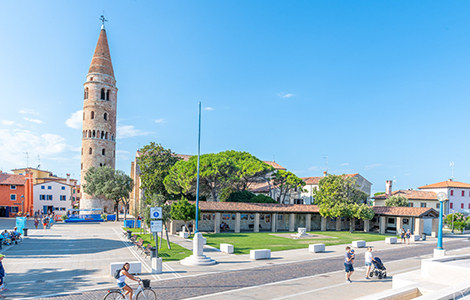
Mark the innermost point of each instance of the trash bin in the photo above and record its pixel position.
(25, 231)
(153, 252)
(129, 234)
(423, 237)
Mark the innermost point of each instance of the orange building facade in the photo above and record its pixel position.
(16, 194)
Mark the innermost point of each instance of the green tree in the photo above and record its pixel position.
(339, 196)
(285, 182)
(107, 183)
(262, 199)
(242, 196)
(183, 210)
(379, 193)
(155, 163)
(397, 201)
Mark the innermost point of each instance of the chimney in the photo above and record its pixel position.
(324, 173)
(388, 188)
(68, 178)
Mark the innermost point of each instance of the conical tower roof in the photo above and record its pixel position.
(101, 62)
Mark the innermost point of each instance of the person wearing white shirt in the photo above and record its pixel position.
(368, 258)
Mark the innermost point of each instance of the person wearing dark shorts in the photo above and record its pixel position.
(348, 263)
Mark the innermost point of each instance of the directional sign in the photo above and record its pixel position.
(155, 212)
(156, 226)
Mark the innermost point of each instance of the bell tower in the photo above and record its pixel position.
(99, 121)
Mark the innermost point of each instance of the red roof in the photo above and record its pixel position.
(406, 211)
(101, 62)
(410, 194)
(446, 184)
(12, 179)
(312, 180)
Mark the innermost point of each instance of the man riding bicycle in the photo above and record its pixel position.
(121, 281)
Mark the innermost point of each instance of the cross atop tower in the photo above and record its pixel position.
(103, 19)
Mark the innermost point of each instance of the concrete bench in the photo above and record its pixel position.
(359, 244)
(391, 240)
(314, 248)
(135, 267)
(183, 234)
(415, 237)
(227, 248)
(260, 254)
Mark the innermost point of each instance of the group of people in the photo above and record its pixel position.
(224, 226)
(10, 237)
(405, 236)
(47, 221)
(349, 258)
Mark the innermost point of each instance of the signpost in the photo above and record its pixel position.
(156, 224)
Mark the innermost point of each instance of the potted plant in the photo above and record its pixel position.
(63, 218)
(104, 217)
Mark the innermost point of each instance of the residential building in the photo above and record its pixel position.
(99, 122)
(457, 192)
(53, 196)
(16, 194)
(40, 176)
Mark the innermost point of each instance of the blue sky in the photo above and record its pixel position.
(380, 87)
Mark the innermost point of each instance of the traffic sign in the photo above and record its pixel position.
(156, 226)
(155, 212)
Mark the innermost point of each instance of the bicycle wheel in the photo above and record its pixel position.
(113, 296)
(146, 294)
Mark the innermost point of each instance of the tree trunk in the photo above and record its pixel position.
(167, 238)
(125, 212)
(116, 209)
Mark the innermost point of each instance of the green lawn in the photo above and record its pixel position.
(244, 242)
(175, 253)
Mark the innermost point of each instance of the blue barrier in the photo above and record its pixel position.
(130, 224)
(111, 218)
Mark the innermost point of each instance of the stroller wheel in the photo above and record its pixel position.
(371, 274)
(380, 276)
(385, 274)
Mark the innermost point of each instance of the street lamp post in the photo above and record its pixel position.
(439, 251)
(22, 204)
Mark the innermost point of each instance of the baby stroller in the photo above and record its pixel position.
(379, 269)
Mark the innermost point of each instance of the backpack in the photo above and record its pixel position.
(117, 274)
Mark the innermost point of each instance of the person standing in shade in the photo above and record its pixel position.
(402, 236)
(368, 258)
(348, 263)
(408, 236)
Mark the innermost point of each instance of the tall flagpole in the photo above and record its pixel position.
(197, 184)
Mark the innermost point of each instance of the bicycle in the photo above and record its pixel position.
(144, 291)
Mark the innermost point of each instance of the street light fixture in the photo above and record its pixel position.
(439, 251)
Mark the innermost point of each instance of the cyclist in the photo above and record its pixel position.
(121, 281)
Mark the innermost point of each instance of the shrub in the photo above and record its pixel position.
(243, 196)
(262, 199)
(459, 226)
(104, 216)
(63, 217)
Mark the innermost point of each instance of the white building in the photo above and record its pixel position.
(52, 196)
(457, 192)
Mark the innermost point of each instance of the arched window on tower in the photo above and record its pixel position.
(83, 115)
(93, 134)
(105, 116)
(82, 167)
(82, 151)
(102, 134)
(92, 115)
(106, 136)
(103, 152)
(112, 137)
(89, 133)
(86, 93)
(102, 94)
(90, 151)
(101, 164)
(107, 95)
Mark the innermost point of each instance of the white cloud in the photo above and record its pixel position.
(75, 120)
(160, 121)
(33, 120)
(126, 131)
(6, 122)
(373, 166)
(28, 111)
(14, 143)
(344, 164)
(208, 108)
(284, 95)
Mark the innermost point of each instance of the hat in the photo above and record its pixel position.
(2, 255)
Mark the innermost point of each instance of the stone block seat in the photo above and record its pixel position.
(415, 237)
(135, 267)
(391, 240)
(183, 234)
(260, 254)
(359, 244)
(226, 248)
(315, 248)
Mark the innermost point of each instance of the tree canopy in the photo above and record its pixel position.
(397, 201)
(285, 181)
(224, 171)
(155, 163)
(338, 196)
(107, 183)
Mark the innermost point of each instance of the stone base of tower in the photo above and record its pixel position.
(92, 206)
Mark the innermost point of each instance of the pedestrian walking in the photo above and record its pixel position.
(44, 222)
(402, 236)
(368, 258)
(348, 263)
(36, 222)
(2, 274)
(51, 221)
(408, 236)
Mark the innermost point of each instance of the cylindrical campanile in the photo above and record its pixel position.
(99, 121)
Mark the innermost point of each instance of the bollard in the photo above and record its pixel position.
(129, 234)
(25, 231)
(153, 252)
